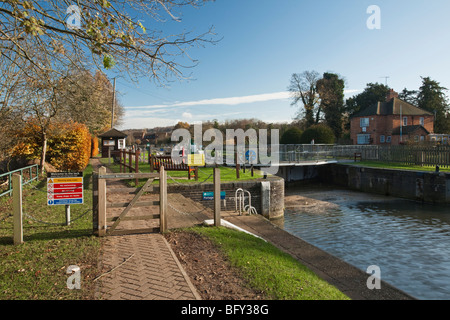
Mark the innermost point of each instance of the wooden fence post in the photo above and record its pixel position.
(217, 197)
(95, 203)
(120, 161)
(150, 159)
(17, 208)
(163, 199)
(130, 161)
(136, 165)
(102, 203)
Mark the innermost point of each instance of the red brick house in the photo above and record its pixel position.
(391, 122)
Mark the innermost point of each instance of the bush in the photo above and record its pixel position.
(70, 149)
(291, 136)
(68, 144)
(321, 134)
(94, 146)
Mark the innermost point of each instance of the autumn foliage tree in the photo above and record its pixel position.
(68, 144)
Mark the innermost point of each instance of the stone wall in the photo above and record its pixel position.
(273, 200)
(433, 187)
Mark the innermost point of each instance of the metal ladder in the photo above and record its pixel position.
(239, 197)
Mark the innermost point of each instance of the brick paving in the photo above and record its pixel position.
(143, 266)
(152, 273)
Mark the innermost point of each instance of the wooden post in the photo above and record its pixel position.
(150, 158)
(136, 165)
(217, 197)
(102, 203)
(17, 208)
(124, 161)
(95, 203)
(130, 161)
(236, 160)
(163, 199)
(120, 161)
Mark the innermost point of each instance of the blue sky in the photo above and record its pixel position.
(247, 73)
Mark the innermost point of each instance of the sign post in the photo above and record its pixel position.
(65, 188)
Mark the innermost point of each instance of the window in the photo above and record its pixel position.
(422, 138)
(382, 139)
(109, 143)
(364, 122)
(363, 138)
(422, 121)
(416, 138)
(388, 139)
(121, 143)
(405, 121)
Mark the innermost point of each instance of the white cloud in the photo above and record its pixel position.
(141, 123)
(222, 101)
(231, 101)
(187, 115)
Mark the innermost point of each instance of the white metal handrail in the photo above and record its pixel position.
(239, 197)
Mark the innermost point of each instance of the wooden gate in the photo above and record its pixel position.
(102, 224)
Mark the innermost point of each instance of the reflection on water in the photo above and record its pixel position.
(409, 241)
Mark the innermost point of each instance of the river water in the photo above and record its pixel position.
(408, 240)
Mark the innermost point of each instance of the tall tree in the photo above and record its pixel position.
(373, 93)
(101, 33)
(431, 97)
(40, 104)
(86, 98)
(331, 92)
(409, 96)
(303, 88)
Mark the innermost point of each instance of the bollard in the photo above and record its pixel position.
(217, 197)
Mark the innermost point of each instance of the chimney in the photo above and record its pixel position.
(391, 94)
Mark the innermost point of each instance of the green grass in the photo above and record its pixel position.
(388, 165)
(37, 268)
(205, 175)
(269, 269)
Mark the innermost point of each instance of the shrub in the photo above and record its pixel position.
(321, 134)
(94, 146)
(70, 149)
(291, 136)
(68, 145)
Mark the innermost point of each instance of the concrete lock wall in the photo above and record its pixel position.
(433, 187)
(267, 195)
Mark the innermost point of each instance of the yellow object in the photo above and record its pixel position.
(196, 160)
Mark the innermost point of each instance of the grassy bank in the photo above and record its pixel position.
(37, 268)
(205, 175)
(268, 269)
(388, 165)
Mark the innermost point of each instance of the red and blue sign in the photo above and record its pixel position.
(64, 188)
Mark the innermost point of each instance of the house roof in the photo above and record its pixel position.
(113, 133)
(395, 106)
(406, 130)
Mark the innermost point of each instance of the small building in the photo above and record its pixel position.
(113, 140)
(391, 122)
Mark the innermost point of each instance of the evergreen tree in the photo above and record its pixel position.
(431, 97)
(331, 92)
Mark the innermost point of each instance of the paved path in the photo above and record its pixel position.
(142, 267)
